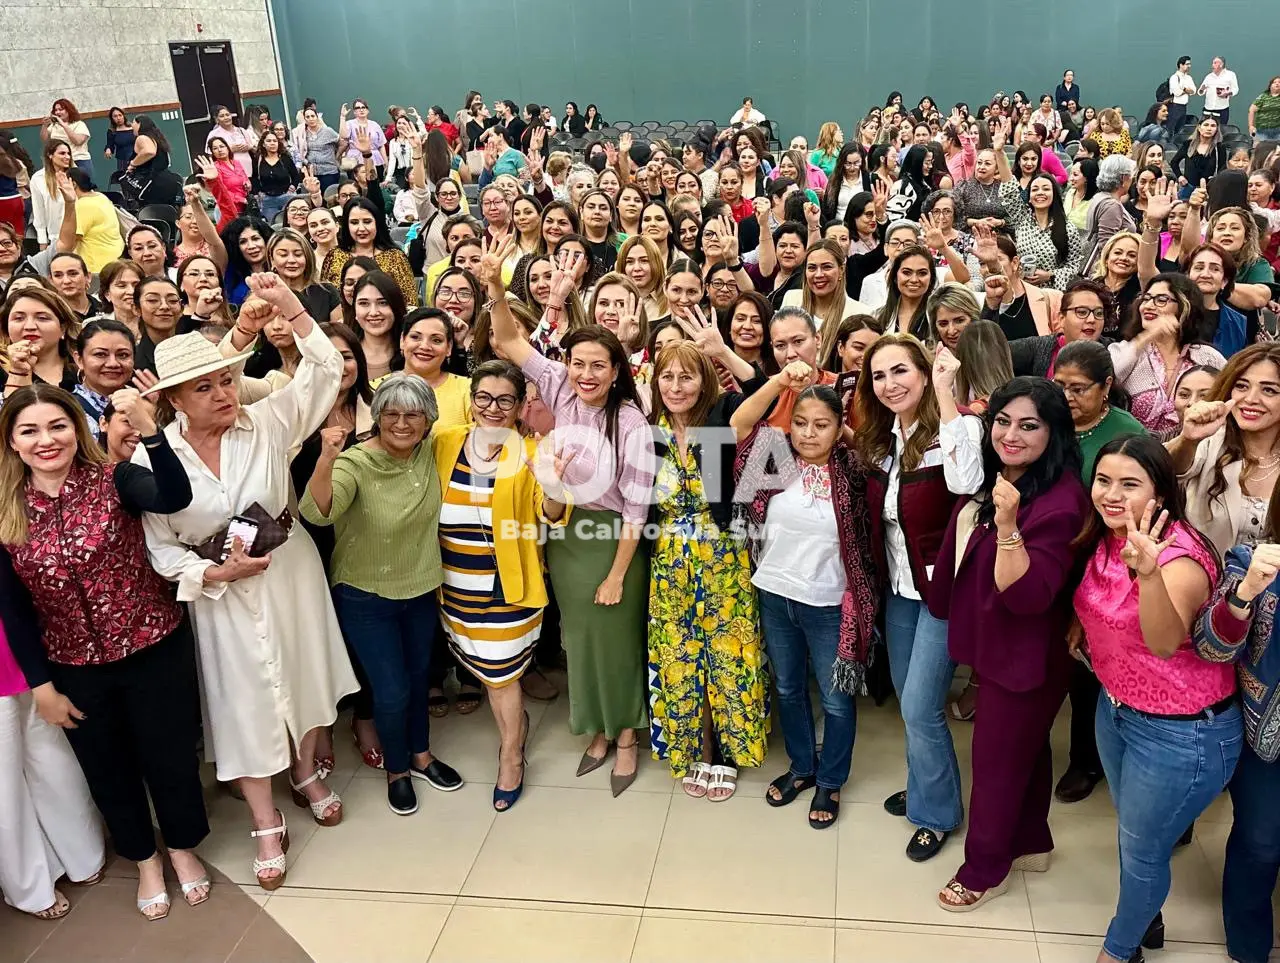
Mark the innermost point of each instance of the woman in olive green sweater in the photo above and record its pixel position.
(383, 498)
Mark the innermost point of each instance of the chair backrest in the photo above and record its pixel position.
(622, 125)
(159, 212)
(164, 227)
(651, 124)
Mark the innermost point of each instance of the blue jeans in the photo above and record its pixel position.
(393, 638)
(87, 167)
(1162, 773)
(1253, 859)
(922, 669)
(1266, 133)
(796, 634)
(271, 206)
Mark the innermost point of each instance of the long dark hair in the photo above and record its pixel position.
(237, 267)
(361, 388)
(382, 236)
(913, 173)
(919, 325)
(1057, 216)
(623, 389)
(147, 127)
(857, 206)
(1089, 171)
(1191, 329)
(1061, 454)
(1157, 463)
(386, 286)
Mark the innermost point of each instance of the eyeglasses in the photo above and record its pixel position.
(898, 242)
(1076, 391)
(1160, 300)
(8, 244)
(407, 417)
(1081, 313)
(483, 399)
(724, 285)
(445, 294)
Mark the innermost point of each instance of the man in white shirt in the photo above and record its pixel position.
(1218, 89)
(1181, 87)
(747, 114)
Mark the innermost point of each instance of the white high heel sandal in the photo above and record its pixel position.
(280, 863)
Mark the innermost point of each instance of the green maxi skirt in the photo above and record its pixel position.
(604, 645)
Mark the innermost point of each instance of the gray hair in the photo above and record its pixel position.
(901, 223)
(1113, 170)
(581, 170)
(404, 392)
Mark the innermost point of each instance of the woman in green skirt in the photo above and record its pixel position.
(599, 574)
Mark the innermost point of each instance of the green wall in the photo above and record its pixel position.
(804, 61)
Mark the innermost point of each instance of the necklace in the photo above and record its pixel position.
(1106, 410)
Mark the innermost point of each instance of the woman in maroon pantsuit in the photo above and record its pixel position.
(1002, 582)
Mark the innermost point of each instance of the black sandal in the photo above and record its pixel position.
(823, 803)
(789, 786)
(437, 706)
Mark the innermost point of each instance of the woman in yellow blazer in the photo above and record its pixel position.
(498, 492)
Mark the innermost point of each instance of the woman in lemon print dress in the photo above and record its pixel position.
(708, 692)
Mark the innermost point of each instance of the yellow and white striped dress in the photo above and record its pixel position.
(491, 638)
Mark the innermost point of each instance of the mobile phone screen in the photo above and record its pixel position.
(244, 530)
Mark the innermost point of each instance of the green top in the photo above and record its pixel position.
(1267, 116)
(826, 162)
(386, 513)
(1259, 272)
(1117, 422)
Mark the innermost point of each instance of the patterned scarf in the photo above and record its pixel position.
(755, 471)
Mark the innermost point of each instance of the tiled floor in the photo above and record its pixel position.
(572, 874)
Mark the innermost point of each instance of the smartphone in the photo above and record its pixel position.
(244, 529)
(846, 381)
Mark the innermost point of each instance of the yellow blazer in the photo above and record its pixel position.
(517, 498)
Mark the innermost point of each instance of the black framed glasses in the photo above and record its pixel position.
(505, 403)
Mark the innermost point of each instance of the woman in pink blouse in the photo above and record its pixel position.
(1169, 729)
(1163, 338)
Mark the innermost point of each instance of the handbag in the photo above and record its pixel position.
(272, 532)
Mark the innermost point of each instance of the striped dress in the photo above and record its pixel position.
(491, 638)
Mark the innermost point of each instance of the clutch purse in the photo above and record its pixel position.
(261, 532)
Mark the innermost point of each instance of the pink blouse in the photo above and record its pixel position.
(1107, 605)
(1141, 372)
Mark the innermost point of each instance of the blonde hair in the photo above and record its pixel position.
(873, 438)
(684, 202)
(656, 268)
(955, 296)
(690, 358)
(828, 320)
(1110, 120)
(1100, 268)
(1250, 251)
(827, 138)
(14, 471)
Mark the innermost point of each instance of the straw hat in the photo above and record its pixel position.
(187, 356)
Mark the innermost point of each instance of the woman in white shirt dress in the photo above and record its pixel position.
(272, 659)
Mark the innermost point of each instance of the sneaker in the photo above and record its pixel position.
(401, 797)
(440, 775)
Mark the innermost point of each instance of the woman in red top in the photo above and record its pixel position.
(225, 179)
(121, 653)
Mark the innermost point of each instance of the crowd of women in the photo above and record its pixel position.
(716, 422)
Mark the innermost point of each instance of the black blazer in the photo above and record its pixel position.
(21, 627)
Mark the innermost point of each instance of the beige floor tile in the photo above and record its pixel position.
(1088, 953)
(374, 849)
(341, 930)
(1078, 893)
(369, 896)
(476, 934)
(691, 872)
(591, 909)
(228, 845)
(662, 939)
(554, 753)
(876, 881)
(861, 946)
(575, 845)
(255, 893)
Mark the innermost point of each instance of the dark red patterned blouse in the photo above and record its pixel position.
(85, 563)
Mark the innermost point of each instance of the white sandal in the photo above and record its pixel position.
(695, 784)
(270, 883)
(317, 808)
(160, 899)
(723, 777)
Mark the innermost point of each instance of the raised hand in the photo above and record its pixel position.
(310, 183)
(998, 138)
(272, 289)
(933, 236)
(537, 138)
(535, 167)
(145, 380)
(21, 357)
(575, 264)
(760, 207)
(611, 153)
(254, 314)
(1199, 196)
(1204, 418)
(1164, 194)
(140, 413)
(191, 194)
(208, 170)
(945, 366)
(1006, 498)
(797, 376)
(208, 301)
(331, 441)
(493, 254)
(1263, 568)
(65, 187)
(1142, 545)
(812, 215)
(997, 286)
(728, 239)
(549, 466)
(629, 321)
(880, 198)
(984, 243)
(625, 141)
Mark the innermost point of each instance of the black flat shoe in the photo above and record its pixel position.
(789, 786)
(1075, 785)
(896, 805)
(401, 797)
(824, 803)
(1138, 957)
(1184, 840)
(925, 845)
(440, 775)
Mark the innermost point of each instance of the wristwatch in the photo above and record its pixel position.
(1238, 602)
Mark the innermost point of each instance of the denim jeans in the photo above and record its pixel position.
(1266, 133)
(271, 206)
(1162, 773)
(393, 638)
(1253, 859)
(922, 670)
(795, 635)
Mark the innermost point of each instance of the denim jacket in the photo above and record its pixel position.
(1251, 645)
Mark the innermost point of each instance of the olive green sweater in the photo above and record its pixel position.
(386, 514)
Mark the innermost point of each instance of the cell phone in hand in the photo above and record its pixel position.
(846, 381)
(244, 529)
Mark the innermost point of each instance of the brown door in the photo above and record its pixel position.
(205, 75)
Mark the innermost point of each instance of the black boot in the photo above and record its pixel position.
(1153, 938)
(1185, 838)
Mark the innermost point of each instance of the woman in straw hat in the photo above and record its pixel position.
(116, 668)
(271, 654)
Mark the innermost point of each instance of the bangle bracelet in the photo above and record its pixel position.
(245, 331)
(295, 317)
